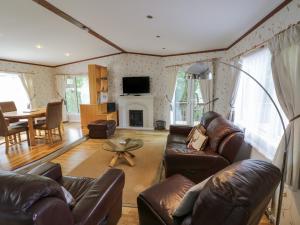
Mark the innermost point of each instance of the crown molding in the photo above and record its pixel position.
(26, 63)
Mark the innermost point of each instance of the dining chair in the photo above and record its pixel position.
(9, 132)
(10, 106)
(53, 121)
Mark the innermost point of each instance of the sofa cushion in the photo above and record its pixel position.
(233, 193)
(77, 186)
(176, 138)
(165, 197)
(20, 191)
(217, 130)
(208, 117)
(186, 205)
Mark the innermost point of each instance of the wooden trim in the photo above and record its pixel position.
(77, 23)
(146, 54)
(83, 60)
(26, 63)
(197, 52)
(272, 13)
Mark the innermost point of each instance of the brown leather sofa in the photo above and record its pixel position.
(34, 199)
(237, 195)
(225, 145)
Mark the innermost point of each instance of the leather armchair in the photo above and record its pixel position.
(236, 195)
(36, 198)
(225, 145)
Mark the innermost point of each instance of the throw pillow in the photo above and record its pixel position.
(69, 198)
(199, 126)
(198, 140)
(187, 203)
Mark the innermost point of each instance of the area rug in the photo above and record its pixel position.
(144, 174)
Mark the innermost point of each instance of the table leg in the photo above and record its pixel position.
(31, 132)
(130, 154)
(128, 158)
(114, 160)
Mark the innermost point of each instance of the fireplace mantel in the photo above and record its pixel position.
(143, 102)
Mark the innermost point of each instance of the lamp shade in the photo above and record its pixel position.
(198, 71)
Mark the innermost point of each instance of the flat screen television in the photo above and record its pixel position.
(136, 85)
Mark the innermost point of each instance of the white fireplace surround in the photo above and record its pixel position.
(143, 102)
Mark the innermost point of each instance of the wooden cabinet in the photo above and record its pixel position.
(98, 83)
(98, 86)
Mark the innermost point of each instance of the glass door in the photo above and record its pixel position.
(77, 92)
(186, 108)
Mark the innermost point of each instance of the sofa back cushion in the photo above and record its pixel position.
(217, 130)
(238, 194)
(208, 117)
(19, 192)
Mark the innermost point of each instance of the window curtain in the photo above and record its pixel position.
(285, 49)
(61, 93)
(27, 81)
(233, 78)
(171, 75)
(206, 88)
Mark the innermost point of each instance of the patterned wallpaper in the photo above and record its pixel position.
(43, 79)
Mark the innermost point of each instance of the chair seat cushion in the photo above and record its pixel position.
(166, 196)
(77, 186)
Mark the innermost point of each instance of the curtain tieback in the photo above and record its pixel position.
(296, 117)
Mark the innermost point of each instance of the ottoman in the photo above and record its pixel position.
(102, 128)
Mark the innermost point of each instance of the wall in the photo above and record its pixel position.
(43, 80)
(137, 65)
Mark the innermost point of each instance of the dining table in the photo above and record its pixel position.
(28, 115)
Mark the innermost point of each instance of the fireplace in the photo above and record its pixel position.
(136, 118)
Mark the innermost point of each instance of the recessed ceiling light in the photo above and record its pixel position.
(158, 36)
(67, 54)
(39, 46)
(163, 48)
(149, 17)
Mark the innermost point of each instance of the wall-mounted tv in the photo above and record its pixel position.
(136, 85)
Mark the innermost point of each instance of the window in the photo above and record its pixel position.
(185, 102)
(77, 92)
(253, 109)
(12, 89)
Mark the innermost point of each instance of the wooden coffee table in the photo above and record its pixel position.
(123, 150)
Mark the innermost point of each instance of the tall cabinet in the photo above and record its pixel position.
(98, 87)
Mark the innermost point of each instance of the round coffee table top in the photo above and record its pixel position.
(123, 145)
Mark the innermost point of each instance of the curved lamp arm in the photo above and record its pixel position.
(285, 137)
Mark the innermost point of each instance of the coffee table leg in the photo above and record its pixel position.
(128, 159)
(130, 154)
(114, 160)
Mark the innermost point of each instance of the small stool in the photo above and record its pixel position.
(102, 128)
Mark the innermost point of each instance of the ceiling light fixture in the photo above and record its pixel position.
(164, 48)
(158, 36)
(149, 17)
(39, 46)
(67, 54)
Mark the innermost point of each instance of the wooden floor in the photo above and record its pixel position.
(21, 155)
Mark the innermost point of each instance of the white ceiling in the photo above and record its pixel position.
(24, 24)
(184, 26)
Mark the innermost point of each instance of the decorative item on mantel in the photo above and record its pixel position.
(160, 125)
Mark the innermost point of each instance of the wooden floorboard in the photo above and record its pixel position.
(21, 154)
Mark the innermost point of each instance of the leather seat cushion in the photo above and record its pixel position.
(175, 138)
(166, 196)
(217, 130)
(19, 192)
(77, 186)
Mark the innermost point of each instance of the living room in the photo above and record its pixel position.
(110, 91)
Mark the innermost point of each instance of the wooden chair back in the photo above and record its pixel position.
(53, 115)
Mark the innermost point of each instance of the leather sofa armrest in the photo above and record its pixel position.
(96, 203)
(50, 170)
(196, 167)
(180, 129)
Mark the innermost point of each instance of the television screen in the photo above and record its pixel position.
(136, 85)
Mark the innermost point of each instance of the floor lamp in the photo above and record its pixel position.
(201, 71)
